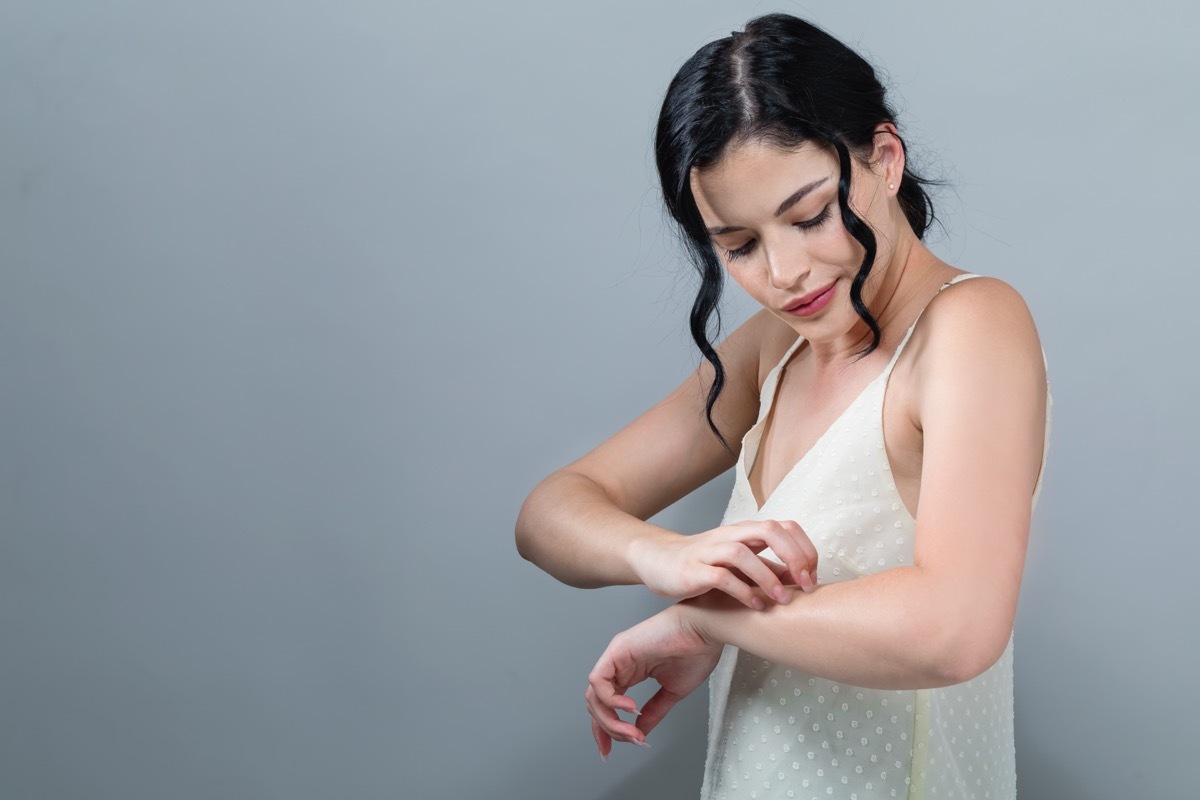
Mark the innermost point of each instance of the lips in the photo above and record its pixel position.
(807, 299)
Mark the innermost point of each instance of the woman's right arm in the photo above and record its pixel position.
(585, 523)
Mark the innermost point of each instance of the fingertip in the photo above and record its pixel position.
(757, 604)
(598, 736)
(807, 582)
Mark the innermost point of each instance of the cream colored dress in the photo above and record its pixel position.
(783, 733)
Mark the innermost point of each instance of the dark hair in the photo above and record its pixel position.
(785, 81)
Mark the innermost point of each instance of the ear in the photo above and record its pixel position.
(887, 157)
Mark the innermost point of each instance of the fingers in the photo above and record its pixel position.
(741, 556)
(603, 741)
(808, 550)
(607, 726)
(755, 570)
(603, 700)
(656, 709)
(724, 580)
(780, 570)
(807, 581)
(790, 544)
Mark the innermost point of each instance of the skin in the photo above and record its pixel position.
(964, 418)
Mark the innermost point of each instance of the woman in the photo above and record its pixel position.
(855, 607)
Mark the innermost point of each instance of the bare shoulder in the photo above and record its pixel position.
(979, 319)
(977, 345)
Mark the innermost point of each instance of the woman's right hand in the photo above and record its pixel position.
(727, 559)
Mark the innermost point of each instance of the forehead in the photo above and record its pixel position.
(753, 177)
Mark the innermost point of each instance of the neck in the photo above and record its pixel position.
(891, 293)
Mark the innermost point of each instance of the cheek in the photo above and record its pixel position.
(746, 277)
(752, 277)
(834, 244)
(862, 200)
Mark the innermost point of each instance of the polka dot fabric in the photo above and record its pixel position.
(782, 733)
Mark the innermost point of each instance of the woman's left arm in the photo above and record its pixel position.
(981, 407)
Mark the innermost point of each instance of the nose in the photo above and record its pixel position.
(786, 267)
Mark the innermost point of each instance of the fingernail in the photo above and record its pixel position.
(640, 743)
(781, 594)
(604, 758)
(758, 603)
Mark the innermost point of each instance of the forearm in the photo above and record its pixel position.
(570, 528)
(893, 630)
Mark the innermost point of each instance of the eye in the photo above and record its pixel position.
(817, 221)
(741, 252)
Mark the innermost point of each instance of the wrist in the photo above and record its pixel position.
(708, 614)
(643, 551)
(696, 613)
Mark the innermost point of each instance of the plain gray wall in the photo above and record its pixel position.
(299, 299)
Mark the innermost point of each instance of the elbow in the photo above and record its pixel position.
(534, 529)
(525, 546)
(961, 650)
(542, 514)
(522, 545)
(523, 532)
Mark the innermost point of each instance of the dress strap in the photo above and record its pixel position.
(911, 328)
(766, 395)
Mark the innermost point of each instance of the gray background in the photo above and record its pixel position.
(299, 299)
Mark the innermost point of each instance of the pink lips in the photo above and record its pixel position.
(811, 303)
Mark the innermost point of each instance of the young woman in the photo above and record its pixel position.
(854, 609)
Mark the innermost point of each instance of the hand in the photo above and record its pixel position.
(727, 559)
(666, 648)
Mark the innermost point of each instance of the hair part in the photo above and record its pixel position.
(786, 82)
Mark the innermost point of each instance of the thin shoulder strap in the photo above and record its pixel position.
(911, 328)
(766, 395)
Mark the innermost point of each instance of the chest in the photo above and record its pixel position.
(806, 413)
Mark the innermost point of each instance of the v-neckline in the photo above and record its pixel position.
(760, 425)
(778, 371)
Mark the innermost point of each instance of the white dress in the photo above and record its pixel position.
(783, 733)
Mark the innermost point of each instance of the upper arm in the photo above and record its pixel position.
(669, 451)
(982, 410)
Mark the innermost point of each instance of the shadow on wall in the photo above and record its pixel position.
(673, 772)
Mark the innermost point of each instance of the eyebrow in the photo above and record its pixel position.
(795, 197)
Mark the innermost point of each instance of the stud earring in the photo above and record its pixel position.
(891, 186)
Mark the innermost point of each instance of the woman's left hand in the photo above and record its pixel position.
(665, 647)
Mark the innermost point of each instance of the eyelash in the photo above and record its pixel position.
(805, 225)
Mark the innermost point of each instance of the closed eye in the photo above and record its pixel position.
(816, 221)
(741, 252)
(804, 225)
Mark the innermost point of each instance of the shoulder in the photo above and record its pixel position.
(979, 295)
(978, 333)
(978, 317)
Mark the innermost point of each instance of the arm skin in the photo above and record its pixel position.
(981, 405)
(585, 524)
(982, 410)
(581, 523)
(870, 632)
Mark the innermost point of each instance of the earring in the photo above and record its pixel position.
(891, 186)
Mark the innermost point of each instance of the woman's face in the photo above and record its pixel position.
(774, 221)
